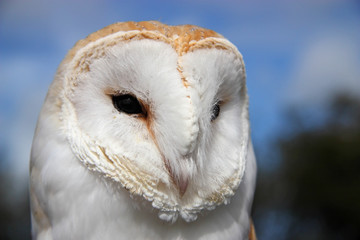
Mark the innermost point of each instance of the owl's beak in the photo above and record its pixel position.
(182, 184)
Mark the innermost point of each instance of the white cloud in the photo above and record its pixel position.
(328, 66)
(24, 84)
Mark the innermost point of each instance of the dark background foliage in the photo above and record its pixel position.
(314, 193)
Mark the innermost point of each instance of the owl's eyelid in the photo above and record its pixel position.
(218, 102)
(116, 93)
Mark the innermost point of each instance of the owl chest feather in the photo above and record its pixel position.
(83, 205)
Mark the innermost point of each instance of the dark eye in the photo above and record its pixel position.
(215, 111)
(127, 103)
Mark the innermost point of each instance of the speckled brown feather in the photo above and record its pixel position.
(185, 36)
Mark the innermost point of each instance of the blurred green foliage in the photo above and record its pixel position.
(314, 193)
(14, 209)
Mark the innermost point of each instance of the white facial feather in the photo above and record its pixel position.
(177, 155)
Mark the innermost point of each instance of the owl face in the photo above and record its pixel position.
(160, 110)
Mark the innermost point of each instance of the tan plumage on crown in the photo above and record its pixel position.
(181, 37)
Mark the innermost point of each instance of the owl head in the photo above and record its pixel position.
(160, 110)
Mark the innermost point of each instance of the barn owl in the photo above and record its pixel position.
(144, 134)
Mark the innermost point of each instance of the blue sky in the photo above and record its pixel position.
(297, 54)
